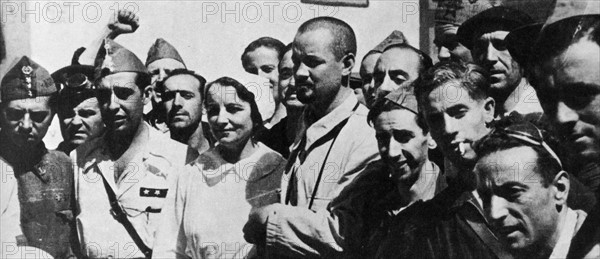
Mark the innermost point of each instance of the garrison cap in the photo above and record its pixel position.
(113, 58)
(396, 37)
(493, 19)
(406, 99)
(27, 79)
(162, 49)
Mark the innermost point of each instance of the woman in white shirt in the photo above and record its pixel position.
(210, 200)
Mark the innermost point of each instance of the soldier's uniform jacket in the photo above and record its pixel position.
(44, 192)
(140, 190)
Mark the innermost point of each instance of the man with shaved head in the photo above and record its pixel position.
(335, 145)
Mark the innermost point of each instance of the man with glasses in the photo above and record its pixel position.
(524, 191)
(44, 177)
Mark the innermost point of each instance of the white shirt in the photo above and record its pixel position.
(210, 202)
(140, 189)
(10, 217)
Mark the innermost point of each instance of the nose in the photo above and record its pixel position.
(395, 149)
(161, 75)
(565, 115)
(222, 118)
(76, 120)
(449, 125)
(300, 72)
(443, 53)
(26, 124)
(178, 100)
(112, 105)
(386, 86)
(498, 209)
(491, 54)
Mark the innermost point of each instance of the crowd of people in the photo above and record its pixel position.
(492, 152)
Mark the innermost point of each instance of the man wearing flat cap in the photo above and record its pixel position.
(121, 179)
(162, 59)
(44, 177)
(484, 35)
(449, 15)
(565, 60)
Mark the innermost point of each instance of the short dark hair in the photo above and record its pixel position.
(182, 71)
(384, 105)
(557, 37)
(245, 95)
(547, 165)
(344, 39)
(266, 42)
(471, 77)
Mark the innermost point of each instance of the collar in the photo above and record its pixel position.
(570, 225)
(97, 150)
(524, 99)
(318, 129)
(214, 168)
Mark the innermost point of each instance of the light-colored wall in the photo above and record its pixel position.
(209, 38)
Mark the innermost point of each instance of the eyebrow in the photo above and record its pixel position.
(398, 72)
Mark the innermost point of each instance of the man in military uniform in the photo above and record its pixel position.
(44, 177)
(121, 179)
(162, 59)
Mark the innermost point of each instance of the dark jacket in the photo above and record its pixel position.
(436, 229)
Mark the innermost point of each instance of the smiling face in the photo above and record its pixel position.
(397, 68)
(263, 62)
(228, 116)
(489, 51)
(521, 206)
(317, 72)
(182, 101)
(457, 121)
(82, 122)
(26, 121)
(121, 102)
(570, 95)
(287, 84)
(402, 143)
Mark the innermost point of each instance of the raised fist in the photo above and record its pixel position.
(125, 22)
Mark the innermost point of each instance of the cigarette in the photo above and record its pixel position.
(462, 149)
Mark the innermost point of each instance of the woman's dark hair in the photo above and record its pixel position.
(266, 42)
(245, 95)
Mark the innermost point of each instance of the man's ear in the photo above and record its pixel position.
(561, 184)
(489, 108)
(431, 144)
(148, 94)
(348, 61)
